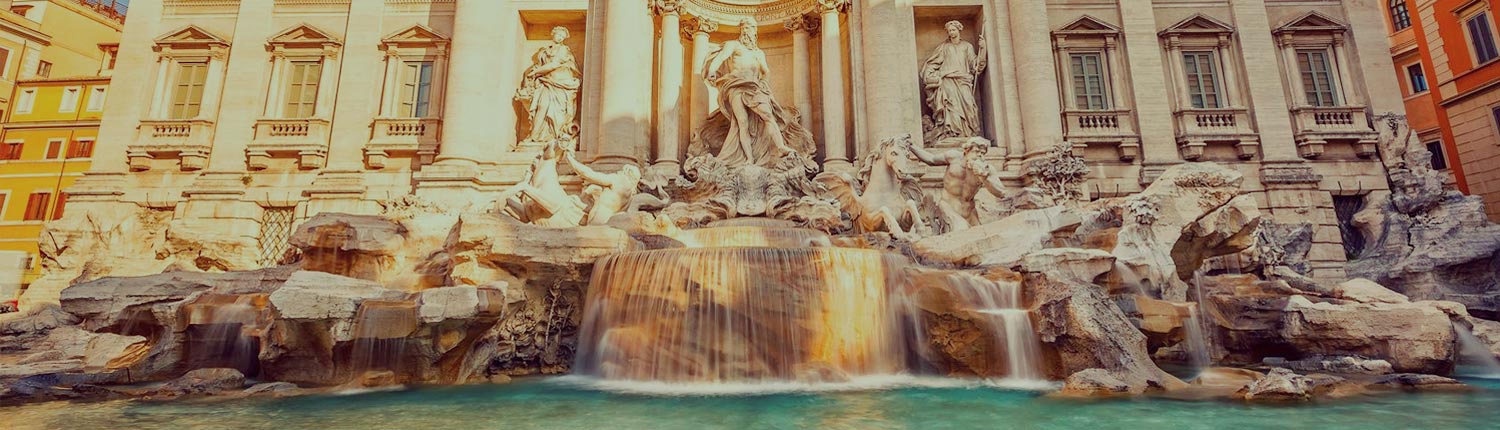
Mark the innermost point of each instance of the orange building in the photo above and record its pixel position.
(1447, 53)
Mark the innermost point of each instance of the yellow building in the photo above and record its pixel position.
(55, 60)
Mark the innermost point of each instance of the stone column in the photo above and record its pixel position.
(698, 90)
(234, 131)
(1150, 96)
(835, 147)
(892, 91)
(128, 96)
(1293, 74)
(1041, 111)
(800, 26)
(669, 87)
(625, 118)
(362, 61)
(1346, 92)
(1267, 97)
(478, 122)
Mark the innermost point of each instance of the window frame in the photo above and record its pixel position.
(1411, 81)
(55, 149)
(1404, 20)
(44, 69)
(1495, 121)
(78, 146)
(97, 95)
(1215, 76)
(1440, 156)
(1101, 64)
(5, 62)
(1314, 96)
(411, 104)
(8, 155)
(1481, 16)
(177, 86)
(64, 104)
(26, 101)
(34, 213)
(302, 74)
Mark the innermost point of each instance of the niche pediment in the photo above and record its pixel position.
(1311, 22)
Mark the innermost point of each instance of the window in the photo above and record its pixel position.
(96, 98)
(1439, 160)
(1400, 19)
(1202, 79)
(4, 62)
(1495, 114)
(26, 100)
(36, 206)
(44, 69)
(302, 94)
(1317, 77)
(416, 89)
(62, 200)
(1088, 81)
(3, 198)
(187, 96)
(54, 148)
(11, 150)
(70, 98)
(1417, 77)
(81, 149)
(1482, 38)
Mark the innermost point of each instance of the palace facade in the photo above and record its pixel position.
(243, 117)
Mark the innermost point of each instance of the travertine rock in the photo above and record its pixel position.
(358, 246)
(1002, 243)
(1431, 244)
(1083, 329)
(1097, 383)
(1347, 365)
(1279, 385)
(1414, 337)
(1367, 291)
(310, 295)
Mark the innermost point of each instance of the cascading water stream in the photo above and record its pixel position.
(1473, 352)
(1002, 303)
(220, 331)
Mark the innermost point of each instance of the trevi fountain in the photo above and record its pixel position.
(941, 274)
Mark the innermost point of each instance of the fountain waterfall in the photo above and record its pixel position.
(743, 314)
(1471, 349)
(1002, 305)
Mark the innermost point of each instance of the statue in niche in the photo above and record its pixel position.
(965, 175)
(550, 92)
(884, 197)
(750, 127)
(948, 79)
(540, 198)
(607, 194)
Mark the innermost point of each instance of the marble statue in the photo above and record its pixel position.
(948, 79)
(540, 198)
(750, 126)
(884, 197)
(608, 193)
(550, 92)
(966, 173)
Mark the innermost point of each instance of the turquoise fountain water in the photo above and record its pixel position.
(563, 404)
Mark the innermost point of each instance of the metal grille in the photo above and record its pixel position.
(1344, 207)
(275, 231)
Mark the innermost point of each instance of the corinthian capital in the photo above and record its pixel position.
(802, 23)
(666, 7)
(699, 25)
(833, 5)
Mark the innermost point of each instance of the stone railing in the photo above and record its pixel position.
(415, 137)
(1197, 127)
(305, 139)
(1316, 126)
(1104, 127)
(188, 140)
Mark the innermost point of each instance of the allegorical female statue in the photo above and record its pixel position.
(550, 92)
(750, 127)
(948, 82)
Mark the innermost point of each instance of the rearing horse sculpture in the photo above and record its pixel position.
(884, 197)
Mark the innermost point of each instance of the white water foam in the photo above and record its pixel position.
(861, 383)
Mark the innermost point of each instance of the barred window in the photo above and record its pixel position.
(1400, 19)
(275, 234)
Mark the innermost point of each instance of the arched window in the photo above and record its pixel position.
(1400, 19)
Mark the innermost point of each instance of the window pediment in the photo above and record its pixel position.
(304, 38)
(416, 36)
(192, 38)
(1311, 22)
(1197, 25)
(1087, 26)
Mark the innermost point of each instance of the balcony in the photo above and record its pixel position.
(1104, 126)
(1316, 126)
(416, 137)
(1197, 127)
(305, 138)
(189, 140)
